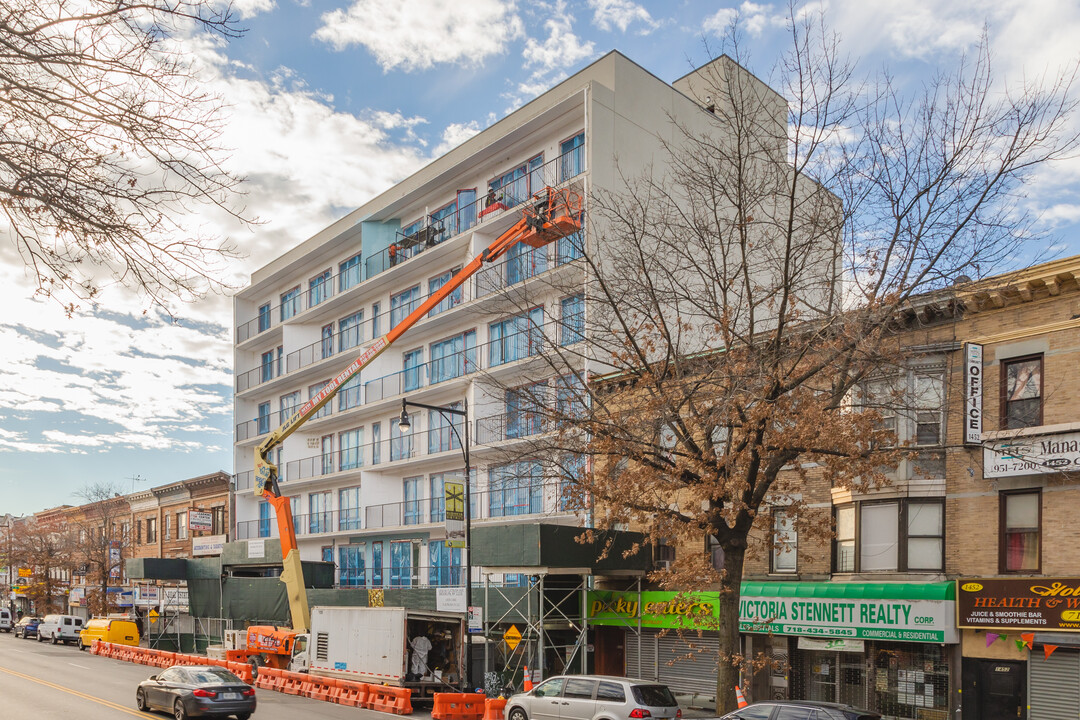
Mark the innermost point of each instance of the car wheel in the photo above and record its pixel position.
(39, 638)
(140, 701)
(179, 713)
(55, 641)
(518, 714)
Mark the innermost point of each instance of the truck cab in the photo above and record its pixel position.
(301, 656)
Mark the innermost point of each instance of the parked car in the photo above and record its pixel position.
(114, 630)
(60, 628)
(5, 621)
(27, 627)
(594, 697)
(196, 691)
(800, 710)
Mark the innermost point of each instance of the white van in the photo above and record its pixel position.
(5, 621)
(60, 628)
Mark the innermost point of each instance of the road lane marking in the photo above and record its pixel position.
(98, 700)
(84, 667)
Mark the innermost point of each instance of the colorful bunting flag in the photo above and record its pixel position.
(1020, 645)
(1028, 639)
(990, 638)
(1048, 650)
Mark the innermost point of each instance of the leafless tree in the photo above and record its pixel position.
(110, 144)
(739, 294)
(45, 548)
(104, 539)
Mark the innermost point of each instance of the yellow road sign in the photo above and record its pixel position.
(153, 613)
(512, 637)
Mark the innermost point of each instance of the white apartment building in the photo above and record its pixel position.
(365, 495)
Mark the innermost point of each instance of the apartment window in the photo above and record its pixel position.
(151, 530)
(264, 418)
(264, 519)
(523, 410)
(287, 405)
(437, 504)
(181, 526)
(376, 563)
(264, 317)
(350, 451)
(929, 401)
(411, 511)
(217, 520)
(404, 556)
(412, 370)
(444, 564)
(894, 536)
(571, 157)
(280, 359)
(351, 565)
(267, 366)
(349, 393)
(349, 273)
(349, 508)
(785, 550)
(444, 223)
(524, 262)
(350, 330)
(452, 300)
(328, 553)
(571, 398)
(1021, 392)
(318, 288)
(376, 443)
(1021, 523)
(441, 436)
(514, 186)
(138, 533)
(290, 303)
(573, 320)
(515, 489)
(401, 444)
(314, 390)
(326, 347)
(375, 320)
(453, 357)
(402, 304)
(319, 512)
(516, 337)
(327, 447)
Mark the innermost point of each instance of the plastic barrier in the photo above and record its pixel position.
(353, 694)
(240, 670)
(166, 659)
(294, 682)
(270, 679)
(320, 688)
(493, 708)
(458, 706)
(385, 698)
(98, 647)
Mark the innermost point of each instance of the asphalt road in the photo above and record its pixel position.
(39, 681)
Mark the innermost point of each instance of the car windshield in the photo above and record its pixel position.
(654, 695)
(211, 676)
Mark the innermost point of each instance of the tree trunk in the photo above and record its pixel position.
(727, 672)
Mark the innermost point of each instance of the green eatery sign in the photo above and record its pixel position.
(906, 612)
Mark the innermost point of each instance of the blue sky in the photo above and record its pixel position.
(332, 101)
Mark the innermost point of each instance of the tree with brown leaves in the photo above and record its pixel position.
(45, 547)
(110, 145)
(738, 299)
(105, 540)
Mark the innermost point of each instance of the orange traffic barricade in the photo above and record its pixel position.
(293, 682)
(320, 688)
(268, 678)
(240, 670)
(493, 708)
(458, 706)
(353, 694)
(385, 698)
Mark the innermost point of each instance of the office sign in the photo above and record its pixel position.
(207, 545)
(256, 548)
(1032, 455)
(857, 618)
(147, 596)
(450, 599)
(973, 391)
(1045, 604)
(199, 520)
(454, 496)
(174, 599)
(114, 560)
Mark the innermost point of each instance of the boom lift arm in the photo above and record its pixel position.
(550, 215)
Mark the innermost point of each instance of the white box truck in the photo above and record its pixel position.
(421, 649)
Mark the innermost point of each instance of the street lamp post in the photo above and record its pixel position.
(404, 424)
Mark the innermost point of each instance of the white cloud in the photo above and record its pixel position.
(608, 14)
(549, 59)
(251, 8)
(754, 19)
(420, 34)
(454, 135)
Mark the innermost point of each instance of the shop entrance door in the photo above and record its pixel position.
(1000, 689)
(833, 676)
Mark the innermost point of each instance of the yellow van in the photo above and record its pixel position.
(121, 632)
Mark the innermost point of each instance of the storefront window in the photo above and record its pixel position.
(910, 680)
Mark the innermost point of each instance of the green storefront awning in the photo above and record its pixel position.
(854, 591)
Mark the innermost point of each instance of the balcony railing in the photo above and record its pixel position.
(509, 426)
(511, 348)
(436, 231)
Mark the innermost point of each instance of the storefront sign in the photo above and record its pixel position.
(867, 619)
(114, 560)
(200, 520)
(835, 644)
(1019, 603)
(973, 389)
(77, 596)
(256, 549)
(147, 596)
(207, 545)
(174, 600)
(450, 599)
(1032, 454)
(655, 609)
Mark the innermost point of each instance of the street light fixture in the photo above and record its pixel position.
(404, 424)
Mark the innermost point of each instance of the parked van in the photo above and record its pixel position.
(6, 621)
(121, 632)
(60, 629)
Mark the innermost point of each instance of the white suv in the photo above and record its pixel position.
(5, 621)
(60, 628)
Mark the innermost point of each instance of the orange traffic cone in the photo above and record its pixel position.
(528, 679)
(739, 697)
